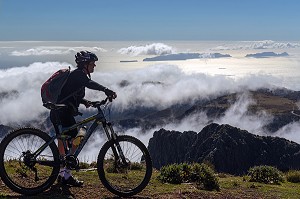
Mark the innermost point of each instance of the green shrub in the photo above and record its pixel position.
(170, 174)
(185, 172)
(204, 176)
(293, 176)
(265, 174)
(201, 174)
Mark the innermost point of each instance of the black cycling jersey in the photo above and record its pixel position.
(73, 91)
(72, 95)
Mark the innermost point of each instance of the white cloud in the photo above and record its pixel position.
(39, 51)
(26, 105)
(290, 132)
(150, 49)
(266, 44)
(238, 116)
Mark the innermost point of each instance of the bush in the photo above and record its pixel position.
(293, 176)
(265, 174)
(170, 174)
(202, 174)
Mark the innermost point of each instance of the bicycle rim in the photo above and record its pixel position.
(121, 179)
(17, 172)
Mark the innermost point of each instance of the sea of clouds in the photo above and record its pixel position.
(158, 85)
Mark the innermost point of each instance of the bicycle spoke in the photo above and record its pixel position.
(125, 179)
(24, 173)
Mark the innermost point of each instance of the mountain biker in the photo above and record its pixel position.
(72, 94)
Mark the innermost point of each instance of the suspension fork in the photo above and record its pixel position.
(116, 148)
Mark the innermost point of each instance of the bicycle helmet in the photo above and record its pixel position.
(83, 57)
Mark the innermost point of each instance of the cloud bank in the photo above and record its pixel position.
(150, 49)
(40, 51)
(157, 86)
(266, 44)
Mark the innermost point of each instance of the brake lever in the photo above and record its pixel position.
(95, 103)
(99, 103)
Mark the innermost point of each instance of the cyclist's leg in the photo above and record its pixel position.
(54, 117)
(67, 119)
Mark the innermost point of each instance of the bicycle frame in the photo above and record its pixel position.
(98, 119)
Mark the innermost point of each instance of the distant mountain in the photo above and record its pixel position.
(276, 102)
(229, 149)
(267, 54)
(185, 56)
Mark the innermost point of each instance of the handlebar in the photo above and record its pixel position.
(97, 104)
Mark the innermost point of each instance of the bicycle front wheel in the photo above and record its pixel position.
(124, 178)
(20, 170)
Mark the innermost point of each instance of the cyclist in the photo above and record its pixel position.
(72, 95)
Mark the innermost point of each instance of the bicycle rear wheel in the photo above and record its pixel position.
(19, 170)
(129, 178)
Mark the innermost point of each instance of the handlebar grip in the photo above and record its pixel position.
(99, 103)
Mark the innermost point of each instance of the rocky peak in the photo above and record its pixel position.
(229, 149)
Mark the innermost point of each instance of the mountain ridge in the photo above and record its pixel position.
(229, 149)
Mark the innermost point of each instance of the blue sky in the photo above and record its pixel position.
(157, 20)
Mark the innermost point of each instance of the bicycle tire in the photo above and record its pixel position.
(15, 173)
(140, 166)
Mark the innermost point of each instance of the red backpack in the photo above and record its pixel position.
(51, 89)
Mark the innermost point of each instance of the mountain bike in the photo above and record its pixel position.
(30, 160)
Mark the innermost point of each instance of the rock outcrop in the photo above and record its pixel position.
(229, 149)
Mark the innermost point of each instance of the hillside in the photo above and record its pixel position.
(277, 103)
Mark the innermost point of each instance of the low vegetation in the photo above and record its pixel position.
(265, 174)
(293, 176)
(187, 181)
(201, 174)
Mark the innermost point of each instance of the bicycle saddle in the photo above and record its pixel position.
(52, 106)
